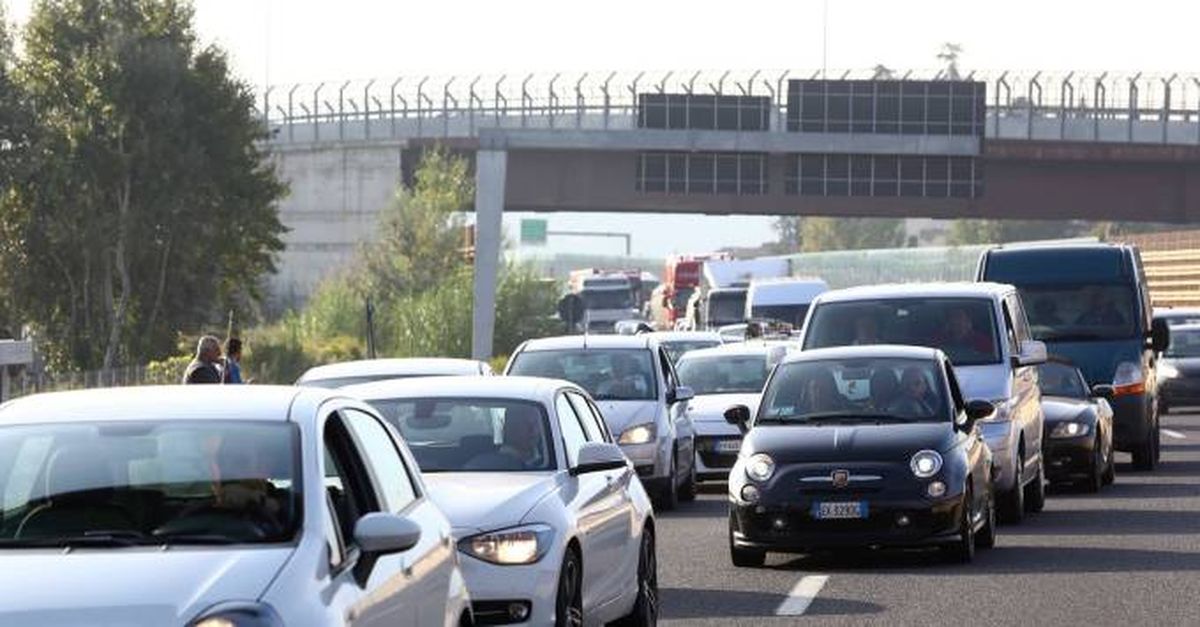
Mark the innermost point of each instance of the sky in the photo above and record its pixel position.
(289, 41)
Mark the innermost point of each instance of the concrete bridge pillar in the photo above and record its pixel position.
(491, 167)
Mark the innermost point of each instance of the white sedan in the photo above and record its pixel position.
(554, 523)
(216, 505)
(346, 373)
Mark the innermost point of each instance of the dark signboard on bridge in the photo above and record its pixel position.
(704, 112)
(902, 107)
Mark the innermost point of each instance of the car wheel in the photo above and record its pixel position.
(1095, 476)
(568, 608)
(744, 558)
(1012, 502)
(668, 499)
(688, 492)
(1110, 471)
(986, 538)
(645, 608)
(1035, 500)
(963, 550)
(1143, 456)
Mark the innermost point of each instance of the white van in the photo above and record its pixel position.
(785, 300)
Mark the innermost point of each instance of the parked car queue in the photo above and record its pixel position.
(452, 500)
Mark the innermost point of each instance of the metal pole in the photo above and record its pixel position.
(501, 103)
(1099, 104)
(446, 98)
(316, 112)
(607, 98)
(420, 105)
(1166, 108)
(367, 108)
(267, 105)
(291, 120)
(580, 102)
(395, 84)
(342, 110)
(552, 104)
(471, 106)
(526, 99)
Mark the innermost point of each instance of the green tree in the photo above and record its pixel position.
(420, 234)
(821, 234)
(967, 232)
(151, 206)
(789, 232)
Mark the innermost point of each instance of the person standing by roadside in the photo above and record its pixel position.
(204, 368)
(233, 360)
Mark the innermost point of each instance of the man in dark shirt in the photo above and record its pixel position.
(204, 368)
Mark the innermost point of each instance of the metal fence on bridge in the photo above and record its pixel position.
(1172, 264)
(1077, 106)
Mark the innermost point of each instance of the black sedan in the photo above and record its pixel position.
(861, 446)
(1179, 369)
(1077, 443)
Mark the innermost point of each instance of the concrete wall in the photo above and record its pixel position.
(337, 192)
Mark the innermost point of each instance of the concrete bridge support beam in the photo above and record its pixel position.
(491, 169)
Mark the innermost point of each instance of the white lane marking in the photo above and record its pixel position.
(1173, 434)
(802, 595)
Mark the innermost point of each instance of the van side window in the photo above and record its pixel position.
(1020, 321)
(1014, 347)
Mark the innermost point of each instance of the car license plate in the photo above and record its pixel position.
(729, 446)
(839, 511)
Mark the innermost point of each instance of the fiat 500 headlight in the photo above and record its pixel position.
(926, 464)
(760, 467)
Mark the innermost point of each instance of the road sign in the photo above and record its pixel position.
(16, 352)
(533, 231)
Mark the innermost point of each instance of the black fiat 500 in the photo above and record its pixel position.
(861, 446)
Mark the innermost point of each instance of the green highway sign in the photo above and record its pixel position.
(533, 231)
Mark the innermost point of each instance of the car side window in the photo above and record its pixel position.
(389, 474)
(573, 435)
(1021, 323)
(668, 372)
(596, 413)
(595, 433)
(1010, 331)
(348, 489)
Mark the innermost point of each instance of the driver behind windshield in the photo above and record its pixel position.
(627, 379)
(958, 334)
(913, 400)
(240, 479)
(821, 394)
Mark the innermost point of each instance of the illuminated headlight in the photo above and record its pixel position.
(1069, 430)
(1167, 371)
(239, 614)
(926, 464)
(760, 467)
(936, 489)
(640, 434)
(509, 547)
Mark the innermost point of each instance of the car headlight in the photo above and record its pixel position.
(509, 547)
(1167, 371)
(760, 467)
(640, 434)
(239, 614)
(1129, 379)
(1069, 429)
(926, 464)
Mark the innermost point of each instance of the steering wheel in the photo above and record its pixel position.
(209, 518)
(908, 406)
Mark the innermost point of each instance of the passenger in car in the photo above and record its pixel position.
(914, 395)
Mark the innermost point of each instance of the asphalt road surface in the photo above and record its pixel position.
(1128, 555)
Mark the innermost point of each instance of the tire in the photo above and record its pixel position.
(1012, 502)
(668, 496)
(1110, 471)
(1035, 498)
(1095, 478)
(568, 605)
(1145, 456)
(744, 558)
(963, 550)
(688, 492)
(645, 608)
(986, 538)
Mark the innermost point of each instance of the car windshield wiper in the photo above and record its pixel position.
(1075, 337)
(87, 539)
(849, 416)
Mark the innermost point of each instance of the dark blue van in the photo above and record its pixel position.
(1089, 304)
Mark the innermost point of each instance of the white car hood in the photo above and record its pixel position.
(983, 383)
(707, 412)
(620, 415)
(483, 501)
(129, 586)
(711, 407)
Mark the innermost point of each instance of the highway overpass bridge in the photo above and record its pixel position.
(1099, 147)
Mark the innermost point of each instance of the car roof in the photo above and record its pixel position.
(566, 342)
(170, 402)
(961, 289)
(736, 349)
(510, 387)
(683, 336)
(880, 351)
(1050, 244)
(399, 367)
